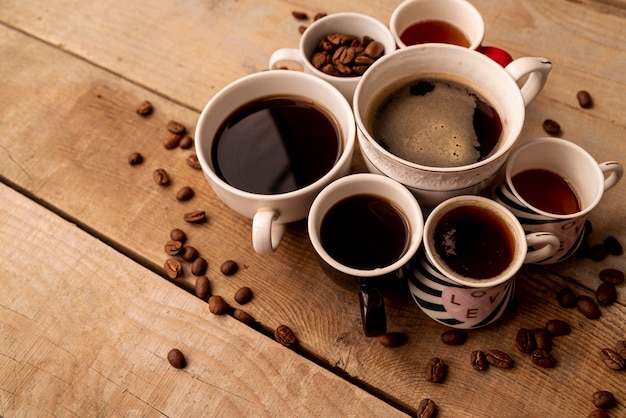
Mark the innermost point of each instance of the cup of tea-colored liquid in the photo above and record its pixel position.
(269, 142)
(472, 249)
(551, 184)
(365, 228)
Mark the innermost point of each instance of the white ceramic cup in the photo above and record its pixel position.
(369, 283)
(271, 212)
(348, 23)
(498, 85)
(588, 179)
(456, 300)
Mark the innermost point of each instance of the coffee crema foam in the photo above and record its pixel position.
(435, 122)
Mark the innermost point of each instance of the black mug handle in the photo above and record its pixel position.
(373, 314)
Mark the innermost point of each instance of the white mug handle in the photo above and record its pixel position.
(537, 70)
(615, 170)
(548, 242)
(285, 54)
(266, 234)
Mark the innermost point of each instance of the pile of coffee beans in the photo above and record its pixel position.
(345, 55)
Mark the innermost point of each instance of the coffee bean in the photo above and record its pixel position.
(612, 359)
(552, 127)
(374, 49)
(319, 15)
(243, 316)
(285, 336)
(299, 15)
(453, 337)
(199, 266)
(217, 305)
(599, 413)
(566, 298)
(392, 339)
(229, 267)
(145, 108)
(301, 29)
(543, 339)
(186, 142)
(584, 99)
(135, 158)
(612, 246)
(478, 360)
(192, 161)
(185, 193)
(588, 307)
(189, 253)
(620, 348)
(603, 399)
(161, 177)
(426, 409)
(173, 247)
(542, 358)
(525, 341)
(195, 217)
(176, 127)
(557, 327)
(203, 287)
(171, 141)
(436, 370)
(597, 252)
(243, 295)
(178, 235)
(176, 358)
(173, 268)
(606, 294)
(612, 276)
(499, 358)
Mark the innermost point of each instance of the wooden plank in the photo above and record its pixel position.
(85, 331)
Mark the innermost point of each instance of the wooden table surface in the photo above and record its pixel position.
(87, 315)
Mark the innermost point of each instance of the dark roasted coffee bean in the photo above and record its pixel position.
(195, 217)
(374, 49)
(319, 15)
(612, 359)
(173, 268)
(525, 341)
(160, 177)
(612, 246)
(145, 108)
(186, 142)
(199, 266)
(189, 253)
(392, 339)
(499, 358)
(243, 316)
(301, 29)
(171, 141)
(203, 287)
(552, 127)
(217, 305)
(606, 294)
(588, 307)
(453, 337)
(243, 295)
(478, 360)
(192, 161)
(299, 15)
(176, 127)
(584, 99)
(597, 252)
(436, 370)
(543, 339)
(426, 409)
(176, 358)
(173, 247)
(178, 235)
(543, 358)
(612, 276)
(135, 158)
(620, 348)
(229, 267)
(557, 327)
(603, 399)
(185, 193)
(598, 413)
(285, 336)
(566, 298)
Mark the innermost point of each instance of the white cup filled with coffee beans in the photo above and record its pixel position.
(442, 119)
(269, 142)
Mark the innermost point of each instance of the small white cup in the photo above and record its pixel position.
(348, 23)
(271, 212)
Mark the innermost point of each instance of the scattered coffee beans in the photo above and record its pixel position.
(195, 217)
(299, 15)
(620, 348)
(192, 161)
(178, 235)
(344, 55)
(603, 399)
(217, 305)
(173, 247)
(161, 177)
(243, 316)
(135, 158)
(552, 127)
(479, 360)
(145, 108)
(176, 127)
(612, 359)
(189, 253)
(597, 252)
(435, 370)
(176, 358)
(199, 266)
(599, 413)
(584, 99)
(557, 327)
(229, 267)
(606, 294)
(588, 307)
(203, 287)
(426, 409)
(525, 341)
(499, 359)
(453, 337)
(171, 141)
(543, 358)
(392, 339)
(285, 336)
(613, 246)
(185, 193)
(186, 142)
(173, 268)
(612, 276)
(566, 298)
(543, 339)
(243, 295)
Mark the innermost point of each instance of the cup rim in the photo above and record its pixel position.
(490, 205)
(506, 146)
(334, 94)
(315, 218)
(561, 142)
